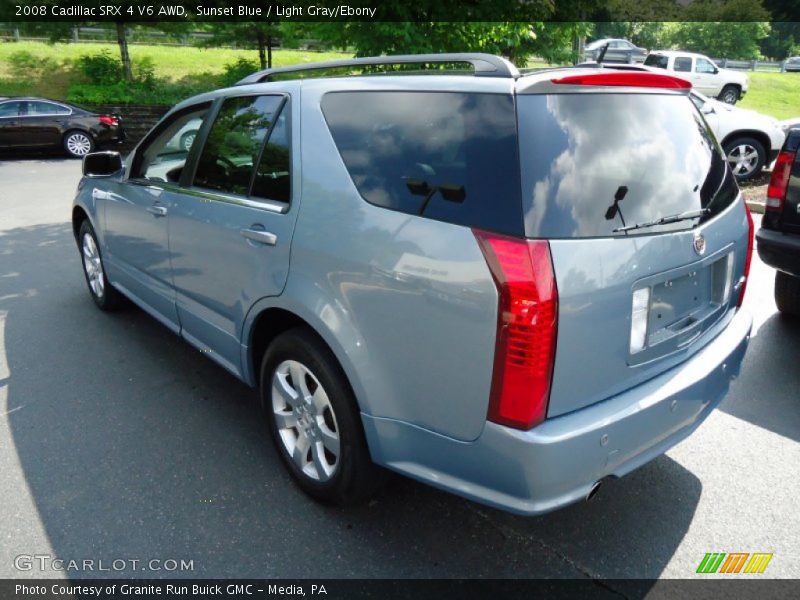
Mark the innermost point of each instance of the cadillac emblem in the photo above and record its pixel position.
(699, 244)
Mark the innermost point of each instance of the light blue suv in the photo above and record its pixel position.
(510, 287)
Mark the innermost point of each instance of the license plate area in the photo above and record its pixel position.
(681, 304)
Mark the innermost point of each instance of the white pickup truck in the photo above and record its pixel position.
(706, 77)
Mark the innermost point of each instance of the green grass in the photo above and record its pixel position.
(774, 94)
(172, 63)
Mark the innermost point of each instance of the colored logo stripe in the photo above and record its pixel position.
(758, 563)
(734, 562)
(713, 562)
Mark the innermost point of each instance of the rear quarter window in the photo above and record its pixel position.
(450, 156)
(656, 60)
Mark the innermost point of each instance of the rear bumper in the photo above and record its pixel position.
(558, 462)
(779, 250)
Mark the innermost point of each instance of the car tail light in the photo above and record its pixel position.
(627, 79)
(108, 120)
(526, 328)
(750, 234)
(779, 181)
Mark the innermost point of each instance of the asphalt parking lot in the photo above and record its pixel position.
(120, 441)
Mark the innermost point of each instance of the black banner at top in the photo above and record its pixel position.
(398, 10)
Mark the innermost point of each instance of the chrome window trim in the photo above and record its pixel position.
(70, 113)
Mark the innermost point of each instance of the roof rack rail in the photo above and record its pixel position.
(484, 65)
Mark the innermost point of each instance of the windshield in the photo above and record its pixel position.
(595, 163)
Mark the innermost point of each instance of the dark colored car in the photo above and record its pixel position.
(38, 123)
(779, 235)
(792, 63)
(619, 51)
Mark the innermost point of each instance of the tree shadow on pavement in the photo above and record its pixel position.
(134, 445)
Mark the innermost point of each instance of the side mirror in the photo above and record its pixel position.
(707, 109)
(102, 164)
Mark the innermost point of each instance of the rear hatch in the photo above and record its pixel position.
(599, 167)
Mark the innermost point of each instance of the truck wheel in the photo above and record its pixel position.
(746, 157)
(787, 294)
(729, 94)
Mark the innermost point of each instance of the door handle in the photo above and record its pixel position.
(157, 211)
(260, 236)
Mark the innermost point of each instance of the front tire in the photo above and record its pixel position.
(104, 295)
(729, 94)
(313, 419)
(746, 157)
(787, 294)
(78, 143)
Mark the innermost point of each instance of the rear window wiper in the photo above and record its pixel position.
(684, 216)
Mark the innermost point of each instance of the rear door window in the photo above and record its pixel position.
(592, 163)
(46, 108)
(683, 64)
(450, 156)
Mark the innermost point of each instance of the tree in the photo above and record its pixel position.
(260, 35)
(125, 57)
(729, 29)
(517, 41)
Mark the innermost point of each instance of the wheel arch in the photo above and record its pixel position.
(79, 215)
(270, 317)
(760, 136)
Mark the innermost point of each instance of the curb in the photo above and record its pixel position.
(756, 207)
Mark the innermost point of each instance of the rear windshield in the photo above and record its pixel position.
(592, 163)
(656, 60)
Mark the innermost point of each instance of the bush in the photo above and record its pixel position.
(136, 92)
(144, 71)
(100, 68)
(239, 70)
(26, 66)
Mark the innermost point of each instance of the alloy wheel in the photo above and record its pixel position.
(79, 144)
(93, 265)
(305, 420)
(743, 159)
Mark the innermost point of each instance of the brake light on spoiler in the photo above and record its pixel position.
(626, 79)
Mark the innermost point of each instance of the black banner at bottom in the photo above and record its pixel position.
(427, 589)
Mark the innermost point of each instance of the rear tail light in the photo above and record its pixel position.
(626, 79)
(526, 328)
(109, 120)
(750, 234)
(779, 182)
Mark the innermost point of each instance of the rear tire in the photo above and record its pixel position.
(787, 294)
(103, 293)
(314, 421)
(78, 143)
(746, 157)
(729, 94)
